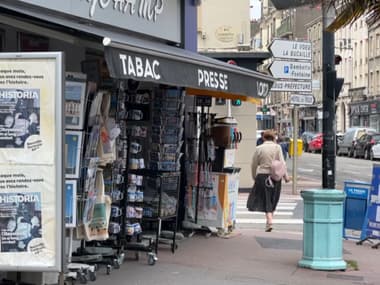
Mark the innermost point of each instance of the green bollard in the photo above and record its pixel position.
(323, 230)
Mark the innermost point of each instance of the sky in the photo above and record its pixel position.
(256, 9)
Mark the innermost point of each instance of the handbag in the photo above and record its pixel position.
(278, 171)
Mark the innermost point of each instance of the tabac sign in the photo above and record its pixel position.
(159, 18)
(127, 64)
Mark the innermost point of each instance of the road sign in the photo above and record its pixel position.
(291, 70)
(292, 86)
(302, 99)
(291, 50)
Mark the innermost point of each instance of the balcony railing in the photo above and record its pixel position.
(285, 28)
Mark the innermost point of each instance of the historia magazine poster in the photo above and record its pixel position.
(20, 221)
(19, 116)
(27, 111)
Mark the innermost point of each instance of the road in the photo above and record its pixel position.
(289, 213)
(310, 165)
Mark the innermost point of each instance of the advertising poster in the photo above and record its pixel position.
(373, 215)
(20, 220)
(27, 216)
(27, 129)
(19, 116)
(31, 156)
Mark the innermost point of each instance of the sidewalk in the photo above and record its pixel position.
(248, 256)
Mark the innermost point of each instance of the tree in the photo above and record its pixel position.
(348, 11)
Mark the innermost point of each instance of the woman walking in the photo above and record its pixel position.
(266, 192)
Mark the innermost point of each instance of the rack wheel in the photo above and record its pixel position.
(108, 269)
(92, 275)
(82, 278)
(152, 258)
(116, 264)
(70, 281)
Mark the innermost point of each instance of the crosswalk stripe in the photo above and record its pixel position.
(278, 208)
(263, 221)
(284, 211)
(277, 213)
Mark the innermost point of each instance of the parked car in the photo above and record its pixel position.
(306, 137)
(315, 145)
(375, 152)
(350, 138)
(364, 145)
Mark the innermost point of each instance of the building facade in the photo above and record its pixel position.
(227, 38)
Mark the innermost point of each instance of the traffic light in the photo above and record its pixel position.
(337, 59)
(236, 102)
(334, 82)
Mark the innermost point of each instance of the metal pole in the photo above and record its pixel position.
(328, 129)
(229, 110)
(295, 146)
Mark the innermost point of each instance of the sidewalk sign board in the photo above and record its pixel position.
(355, 209)
(373, 212)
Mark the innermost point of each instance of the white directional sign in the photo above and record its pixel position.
(302, 99)
(291, 70)
(291, 50)
(292, 86)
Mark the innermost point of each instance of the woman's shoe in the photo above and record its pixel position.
(268, 228)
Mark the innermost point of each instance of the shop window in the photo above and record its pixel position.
(31, 43)
(2, 40)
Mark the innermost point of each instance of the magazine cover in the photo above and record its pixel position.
(20, 221)
(75, 100)
(19, 116)
(71, 209)
(73, 153)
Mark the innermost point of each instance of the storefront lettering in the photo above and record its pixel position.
(359, 109)
(262, 89)
(211, 79)
(147, 9)
(139, 67)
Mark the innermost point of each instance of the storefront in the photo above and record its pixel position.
(126, 77)
(365, 114)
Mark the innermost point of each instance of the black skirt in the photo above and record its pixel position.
(263, 198)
